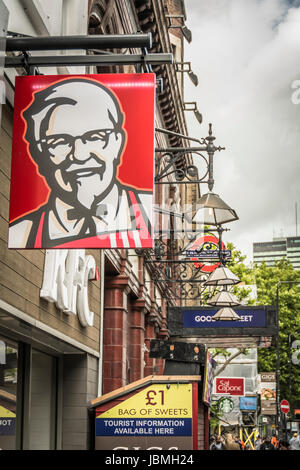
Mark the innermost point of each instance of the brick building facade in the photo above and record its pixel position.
(83, 362)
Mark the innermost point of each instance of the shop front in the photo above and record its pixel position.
(49, 357)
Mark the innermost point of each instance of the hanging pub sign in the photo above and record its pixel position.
(82, 161)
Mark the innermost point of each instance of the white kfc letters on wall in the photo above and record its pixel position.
(65, 282)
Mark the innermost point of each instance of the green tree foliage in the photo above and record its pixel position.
(215, 416)
(266, 280)
(244, 273)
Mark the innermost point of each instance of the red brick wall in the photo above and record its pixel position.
(174, 8)
(115, 362)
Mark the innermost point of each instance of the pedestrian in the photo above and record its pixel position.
(218, 444)
(242, 444)
(267, 445)
(258, 442)
(211, 442)
(283, 445)
(274, 441)
(295, 442)
(238, 441)
(230, 443)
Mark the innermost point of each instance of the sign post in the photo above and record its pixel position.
(285, 408)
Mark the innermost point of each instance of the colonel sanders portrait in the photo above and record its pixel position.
(76, 137)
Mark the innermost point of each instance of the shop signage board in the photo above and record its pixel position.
(203, 318)
(66, 280)
(234, 386)
(197, 322)
(7, 422)
(160, 416)
(82, 161)
(225, 404)
(267, 391)
(248, 403)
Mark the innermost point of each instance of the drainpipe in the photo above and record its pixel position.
(100, 368)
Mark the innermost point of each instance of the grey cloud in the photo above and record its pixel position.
(247, 70)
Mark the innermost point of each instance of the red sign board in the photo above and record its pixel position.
(82, 161)
(230, 386)
(284, 406)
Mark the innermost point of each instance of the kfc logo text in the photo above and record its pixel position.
(66, 276)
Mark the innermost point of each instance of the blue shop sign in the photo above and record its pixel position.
(202, 318)
(208, 254)
(248, 403)
(7, 426)
(143, 427)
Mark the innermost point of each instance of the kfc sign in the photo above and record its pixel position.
(65, 282)
(82, 161)
(230, 386)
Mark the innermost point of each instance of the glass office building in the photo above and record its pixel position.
(280, 248)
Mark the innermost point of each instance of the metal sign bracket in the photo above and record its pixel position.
(24, 44)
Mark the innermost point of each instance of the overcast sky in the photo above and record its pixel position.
(246, 54)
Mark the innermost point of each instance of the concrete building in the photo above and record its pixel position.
(277, 249)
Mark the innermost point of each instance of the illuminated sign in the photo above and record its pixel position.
(161, 416)
(65, 282)
(82, 161)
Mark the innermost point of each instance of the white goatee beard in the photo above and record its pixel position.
(88, 189)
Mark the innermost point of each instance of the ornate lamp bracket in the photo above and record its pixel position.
(170, 160)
